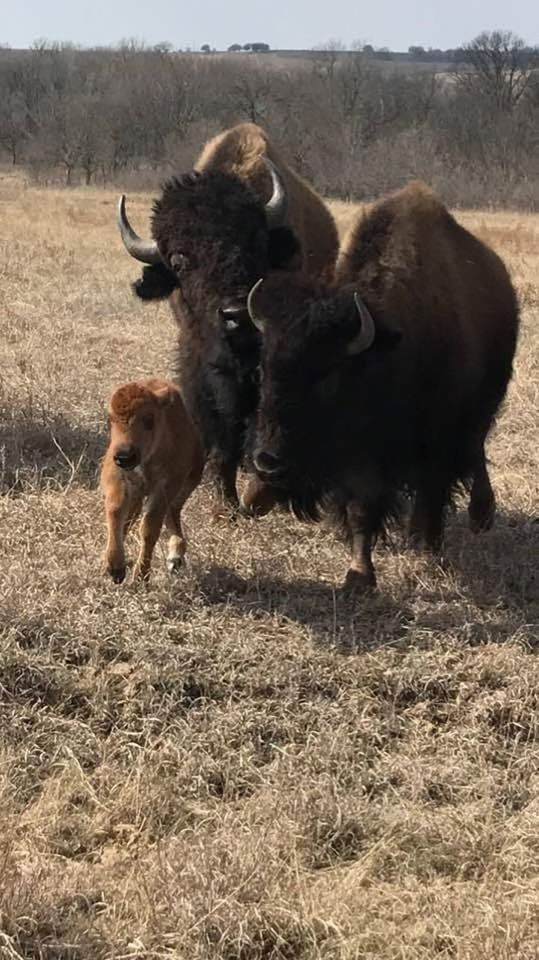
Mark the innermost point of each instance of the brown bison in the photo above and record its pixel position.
(389, 382)
(241, 213)
(154, 458)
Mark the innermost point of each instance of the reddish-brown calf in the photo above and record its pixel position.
(153, 463)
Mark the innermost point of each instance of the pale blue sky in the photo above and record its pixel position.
(281, 23)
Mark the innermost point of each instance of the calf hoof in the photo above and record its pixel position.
(481, 515)
(358, 583)
(117, 574)
(174, 564)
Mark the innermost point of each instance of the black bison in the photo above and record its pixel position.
(388, 382)
(240, 214)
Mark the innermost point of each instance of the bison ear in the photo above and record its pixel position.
(379, 334)
(283, 248)
(156, 283)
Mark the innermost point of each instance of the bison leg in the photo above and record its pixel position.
(426, 528)
(224, 471)
(482, 505)
(363, 526)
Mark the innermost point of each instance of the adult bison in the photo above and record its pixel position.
(241, 213)
(389, 382)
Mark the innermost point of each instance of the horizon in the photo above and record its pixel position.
(296, 26)
(142, 45)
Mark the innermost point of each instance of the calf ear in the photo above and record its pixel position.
(166, 394)
(283, 248)
(156, 283)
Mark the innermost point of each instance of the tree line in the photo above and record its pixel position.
(355, 128)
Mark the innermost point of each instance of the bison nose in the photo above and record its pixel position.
(127, 458)
(267, 464)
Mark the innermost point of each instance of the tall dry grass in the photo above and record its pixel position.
(240, 764)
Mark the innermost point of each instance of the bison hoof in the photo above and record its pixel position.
(224, 514)
(117, 574)
(257, 500)
(481, 515)
(359, 583)
(253, 511)
(174, 564)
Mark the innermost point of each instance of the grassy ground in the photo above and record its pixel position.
(239, 764)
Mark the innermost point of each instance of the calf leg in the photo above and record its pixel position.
(176, 544)
(150, 528)
(482, 506)
(116, 513)
(133, 513)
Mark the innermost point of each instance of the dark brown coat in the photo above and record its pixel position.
(240, 151)
(214, 241)
(395, 391)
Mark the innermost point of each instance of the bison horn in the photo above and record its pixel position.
(144, 250)
(367, 332)
(258, 322)
(276, 205)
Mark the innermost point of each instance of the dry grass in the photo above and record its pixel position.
(238, 764)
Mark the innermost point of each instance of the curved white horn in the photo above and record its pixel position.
(258, 322)
(276, 206)
(144, 250)
(367, 331)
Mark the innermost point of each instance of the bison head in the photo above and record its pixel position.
(320, 353)
(212, 238)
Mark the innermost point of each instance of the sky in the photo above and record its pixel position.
(295, 24)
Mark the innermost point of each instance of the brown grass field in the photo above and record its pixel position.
(239, 763)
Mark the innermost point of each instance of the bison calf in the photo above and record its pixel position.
(154, 460)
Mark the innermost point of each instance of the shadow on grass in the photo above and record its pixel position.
(46, 450)
(487, 593)
(499, 567)
(332, 616)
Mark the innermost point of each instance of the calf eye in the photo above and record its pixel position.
(147, 421)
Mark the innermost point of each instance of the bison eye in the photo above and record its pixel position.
(231, 317)
(179, 262)
(147, 421)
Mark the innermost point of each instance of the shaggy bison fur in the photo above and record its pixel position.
(388, 382)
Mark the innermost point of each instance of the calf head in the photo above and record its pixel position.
(212, 238)
(319, 351)
(137, 422)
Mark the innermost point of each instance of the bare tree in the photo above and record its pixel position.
(352, 126)
(13, 124)
(499, 67)
(251, 94)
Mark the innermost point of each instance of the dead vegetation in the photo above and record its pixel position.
(238, 763)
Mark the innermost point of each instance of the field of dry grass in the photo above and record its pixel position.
(238, 763)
